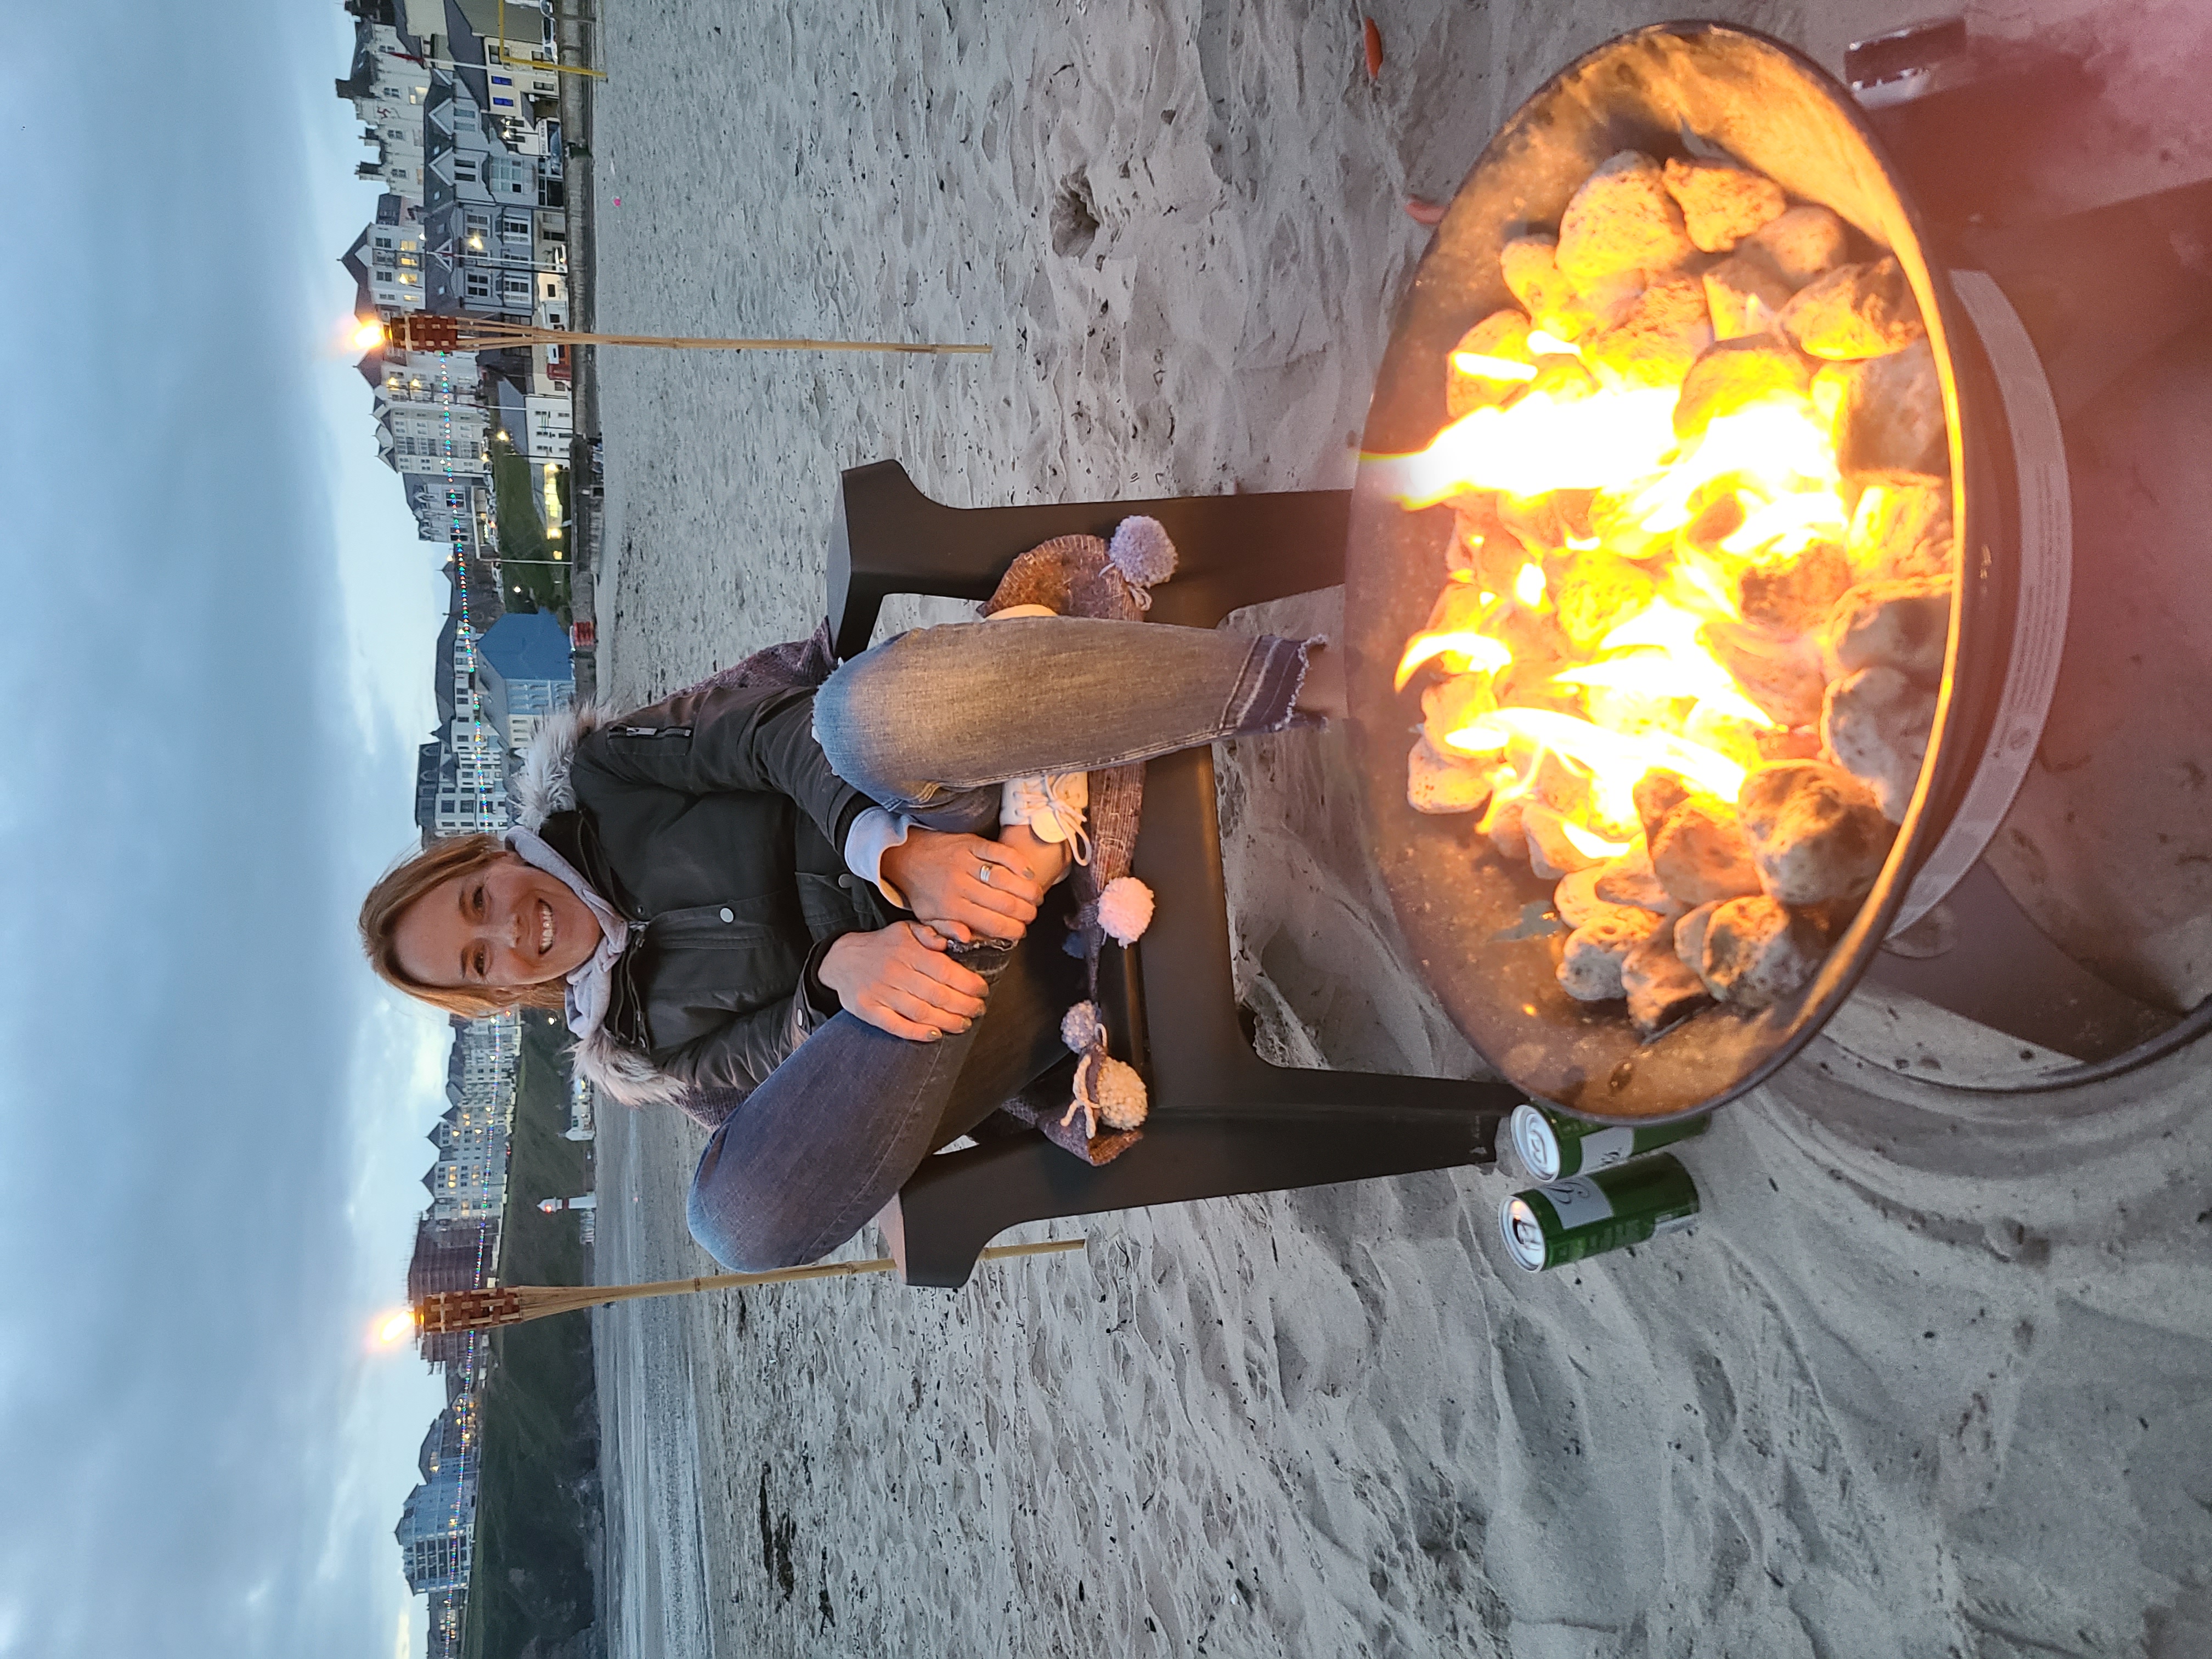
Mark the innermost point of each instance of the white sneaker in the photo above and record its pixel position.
(1051, 803)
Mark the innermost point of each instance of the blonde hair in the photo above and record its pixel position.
(409, 880)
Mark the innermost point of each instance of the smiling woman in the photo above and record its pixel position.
(493, 933)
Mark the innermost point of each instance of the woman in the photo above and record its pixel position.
(805, 915)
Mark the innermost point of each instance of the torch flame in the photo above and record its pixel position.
(370, 335)
(400, 1324)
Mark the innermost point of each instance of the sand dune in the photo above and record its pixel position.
(1927, 1379)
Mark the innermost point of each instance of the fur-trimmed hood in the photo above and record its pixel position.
(543, 788)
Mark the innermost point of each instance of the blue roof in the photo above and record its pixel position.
(528, 644)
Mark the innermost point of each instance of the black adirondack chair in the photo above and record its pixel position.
(1222, 1121)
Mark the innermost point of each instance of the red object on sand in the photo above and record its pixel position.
(1374, 50)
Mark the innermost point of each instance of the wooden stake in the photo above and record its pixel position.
(445, 1311)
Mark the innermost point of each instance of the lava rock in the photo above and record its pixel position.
(1576, 896)
(1876, 725)
(1438, 781)
(1451, 704)
(1801, 243)
(1733, 374)
(1699, 854)
(1722, 201)
(1904, 625)
(1545, 292)
(1855, 310)
(1590, 967)
(1796, 594)
(1745, 294)
(1631, 880)
(1780, 673)
(1816, 833)
(1657, 794)
(1622, 220)
(1901, 530)
(1502, 334)
(1660, 986)
(1655, 341)
(1596, 593)
(1757, 952)
(1891, 425)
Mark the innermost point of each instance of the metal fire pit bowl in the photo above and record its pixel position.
(1481, 926)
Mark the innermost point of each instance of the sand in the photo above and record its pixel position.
(1928, 1379)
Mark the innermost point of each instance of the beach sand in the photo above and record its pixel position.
(1928, 1379)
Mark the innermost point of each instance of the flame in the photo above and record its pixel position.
(1486, 367)
(399, 1325)
(1536, 444)
(1755, 486)
(1589, 844)
(369, 335)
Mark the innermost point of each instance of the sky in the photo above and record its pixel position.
(220, 646)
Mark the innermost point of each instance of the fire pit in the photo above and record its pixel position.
(1492, 930)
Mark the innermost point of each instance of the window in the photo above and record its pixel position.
(509, 175)
(479, 285)
(514, 225)
(515, 286)
(464, 169)
(383, 241)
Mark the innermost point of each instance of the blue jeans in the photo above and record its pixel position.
(931, 723)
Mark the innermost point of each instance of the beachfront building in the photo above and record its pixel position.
(460, 783)
(437, 1524)
(388, 84)
(468, 1182)
(480, 207)
(441, 436)
(523, 675)
(386, 259)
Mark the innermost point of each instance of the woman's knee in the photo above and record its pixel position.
(739, 1223)
(884, 721)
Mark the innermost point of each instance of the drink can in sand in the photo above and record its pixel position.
(1550, 1145)
(1586, 1215)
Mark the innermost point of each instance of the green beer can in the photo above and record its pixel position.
(1586, 1215)
(1550, 1145)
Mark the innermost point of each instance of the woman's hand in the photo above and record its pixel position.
(965, 884)
(900, 980)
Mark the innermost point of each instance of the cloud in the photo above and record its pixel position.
(206, 1108)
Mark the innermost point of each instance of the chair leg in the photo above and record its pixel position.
(958, 1202)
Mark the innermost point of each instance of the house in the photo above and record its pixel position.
(386, 259)
(523, 675)
(388, 85)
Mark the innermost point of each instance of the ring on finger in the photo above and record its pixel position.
(983, 873)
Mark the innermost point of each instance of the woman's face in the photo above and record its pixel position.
(507, 925)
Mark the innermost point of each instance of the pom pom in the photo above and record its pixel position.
(1141, 551)
(1125, 908)
(1079, 1027)
(1108, 1091)
(1122, 1102)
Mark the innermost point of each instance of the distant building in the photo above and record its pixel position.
(523, 675)
(388, 85)
(437, 1524)
(387, 260)
(463, 788)
(583, 1110)
(468, 1181)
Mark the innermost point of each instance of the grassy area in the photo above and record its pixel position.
(518, 490)
(538, 1501)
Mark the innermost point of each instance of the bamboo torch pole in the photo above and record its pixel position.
(442, 1312)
